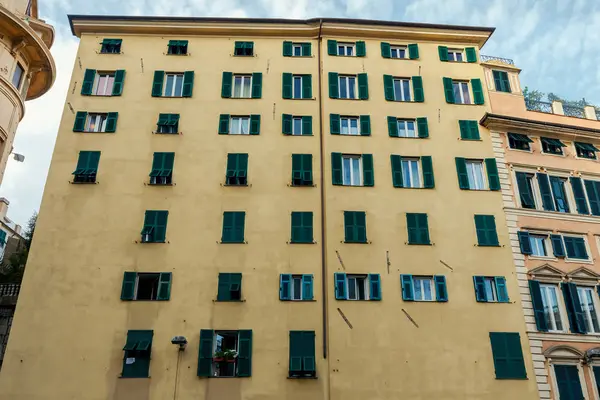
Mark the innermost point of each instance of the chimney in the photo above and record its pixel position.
(18, 229)
(3, 207)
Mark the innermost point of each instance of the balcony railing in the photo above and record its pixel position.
(499, 59)
(572, 111)
(541, 106)
(10, 289)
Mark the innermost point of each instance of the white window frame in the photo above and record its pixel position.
(547, 245)
(346, 46)
(398, 49)
(400, 122)
(360, 169)
(297, 96)
(244, 78)
(461, 92)
(297, 46)
(293, 291)
(100, 127)
(483, 174)
(237, 121)
(419, 172)
(346, 80)
(589, 260)
(492, 281)
(294, 132)
(107, 90)
(564, 320)
(419, 280)
(402, 93)
(175, 76)
(365, 279)
(454, 52)
(350, 119)
(586, 312)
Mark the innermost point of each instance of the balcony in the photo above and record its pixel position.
(558, 108)
(508, 61)
(9, 293)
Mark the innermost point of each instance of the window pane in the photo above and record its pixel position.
(353, 126)
(110, 80)
(297, 87)
(457, 98)
(245, 126)
(237, 86)
(459, 57)
(297, 127)
(246, 89)
(475, 173)
(465, 91)
(402, 53)
(538, 245)
(490, 289)
(351, 82)
(341, 50)
(349, 50)
(406, 181)
(397, 90)
(352, 288)
(414, 171)
(360, 283)
(297, 289)
(102, 123)
(410, 127)
(394, 53)
(178, 85)
(553, 300)
(343, 87)
(418, 291)
(16, 80)
(406, 90)
(346, 168)
(427, 290)
(169, 85)
(345, 126)
(355, 171)
(297, 50)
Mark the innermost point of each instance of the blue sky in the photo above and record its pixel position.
(555, 42)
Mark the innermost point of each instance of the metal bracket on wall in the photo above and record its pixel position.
(345, 319)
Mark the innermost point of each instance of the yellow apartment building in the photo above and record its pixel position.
(352, 246)
(550, 178)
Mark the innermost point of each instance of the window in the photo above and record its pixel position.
(296, 125)
(345, 49)
(96, 122)
(588, 306)
(352, 170)
(475, 174)
(302, 354)
(230, 287)
(225, 353)
(469, 130)
(411, 176)
(471, 174)
(539, 245)
(461, 92)
(146, 286)
(87, 167)
(457, 91)
(398, 52)
(103, 84)
(455, 55)
(501, 81)
(237, 169)
(490, 289)
(302, 170)
(242, 85)
(519, 142)
(401, 89)
(418, 228)
(177, 47)
(412, 172)
(575, 247)
(406, 128)
(296, 287)
(349, 125)
(402, 51)
(167, 123)
(485, 226)
(155, 226)
(111, 46)
(138, 348)
(567, 381)
(2, 238)
(553, 193)
(525, 186)
(552, 310)
(162, 169)
(233, 227)
(292, 49)
(17, 77)
(357, 286)
(552, 146)
(508, 355)
(347, 86)
(174, 85)
(243, 49)
(559, 194)
(240, 126)
(302, 227)
(593, 194)
(355, 227)
(586, 150)
(424, 288)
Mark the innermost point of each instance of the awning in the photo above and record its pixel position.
(519, 137)
(553, 142)
(586, 146)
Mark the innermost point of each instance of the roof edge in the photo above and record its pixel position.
(486, 119)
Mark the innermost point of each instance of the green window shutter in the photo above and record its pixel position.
(507, 355)
(388, 87)
(392, 123)
(386, 51)
(443, 52)
(160, 229)
(287, 49)
(285, 281)
(573, 306)
(138, 345)
(286, 124)
(368, 172)
(188, 84)
(396, 162)
(374, 287)
(413, 51)
(544, 184)
(593, 191)
(501, 82)
(307, 287)
(286, 85)
(365, 125)
(469, 130)
(157, 83)
(302, 170)
(418, 228)
(334, 88)
(418, 92)
(302, 227)
(164, 286)
(254, 124)
(538, 306)
(492, 172)
(428, 178)
(441, 291)
(306, 49)
(223, 287)
(524, 243)
(233, 226)
(579, 195)
(128, 287)
(157, 163)
(88, 82)
(340, 286)
(242, 166)
(361, 49)
(224, 124)
(360, 226)
(307, 125)
(557, 246)
(336, 168)
(244, 359)
(111, 122)
(332, 47)
(205, 354)
(363, 86)
(448, 90)
(307, 86)
(505, 82)
(119, 82)
(461, 171)
(474, 130)
(485, 226)
(471, 54)
(406, 282)
(308, 356)
(87, 163)
(525, 190)
(479, 284)
(80, 118)
(478, 97)
(334, 124)
(226, 84)
(501, 289)
(296, 352)
(422, 127)
(256, 85)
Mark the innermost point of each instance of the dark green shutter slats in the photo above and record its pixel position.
(80, 118)
(449, 90)
(88, 82)
(111, 122)
(334, 88)
(461, 171)
(363, 86)
(558, 249)
(128, 287)
(164, 286)
(501, 291)
(406, 283)
(188, 84)
(355, 228)
(286, 85)
(286, 124)
(332, 47)
(374, 287)
(307, 287)
(233, 227)
(538, 306)
(392, 123)
(418, 92)
(226, 84)
(368, 173)
(254, 124)
(492, 172)
(422, 127)
(501, 81)
(119, 82)
(427, 167)
(224, 124)
(524, 243)
(573, 306)
(302, 353)
(336, 168)
(302, 171)
(478, 97)
(340, 286)
(302, 227)
(579, 194)
(441, 291)
(162, 164)
(471, 54)
(361, 49)
(205, 353)
(386, 51)
(306, 49)
(443, 53)
(157, 83)
(256, 85)
(508, 355)
(544, 184)
(469, 130)
(365, 125)
(479, 285)
(568, 382)
(413, 51)
(396, 162)
(418, 228)
(388, 87)
(334, 124)
(307, 125)
(307, 86)
(287, 49)
(486, 230)
(525, 190)
(285, 283)
(593, 191)
(244, 359)
(87, 163)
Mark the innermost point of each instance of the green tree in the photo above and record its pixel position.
(11, 270)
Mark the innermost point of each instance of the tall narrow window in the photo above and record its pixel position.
(588, 306)
(461, 92)
(104, 84)
(297, 126)
(525, 187)
(475, 173)
(173, 85)
(402, 89)
(561, 203)
(552, 311)
(501, 81)
(411, 175)
(347, 87)
(352, 170)
(17, 77)
(242, 86)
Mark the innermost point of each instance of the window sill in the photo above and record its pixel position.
(243, 55)
(106, 53)
(166, 133)
(487, 245)
(302, 377)
(299, 186)
(229, 301)
(586, 158)
(470, 140)
(84, 183)
(172, 54)
(410, 187)
(242, 242)
(230, 185)
(408, 137)
(295, 242)
(521, 150)
(356, 99)
(401, 59)
(298, 301)
(466, 104)
(291, 98)
(578, 261)
(346, 242)
(141, 242)
(92, 132)
(405, 101)
(542, 258)
(134, 377)
(552, 154)
(159, 184)
(418, 244)
(242, 98)
(521, 378)
(290, 134)
(292, 56)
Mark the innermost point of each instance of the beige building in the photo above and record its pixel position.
(550, 177)
(311, 204)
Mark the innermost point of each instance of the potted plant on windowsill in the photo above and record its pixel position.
(225, 356)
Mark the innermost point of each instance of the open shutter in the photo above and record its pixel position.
(427, 166)
(334, 88)
(257, 85)
(441, 292)
(188, 83)
(255, 124)
(492, 172)
(392, 123)
(205, 353)
(93, 161)
(334, 124)
(544, 184)
(363, 86)
(332, 47)
(374, 287)
(361, 49)
(88, 82)
(117, 89)
(128, 287)
(501, 289)
(422, 127)
(340, 286)
(157, 83)
(579, 194)
(524, 242)
(285, 281)
(307, 125)
(461, 171)
(406, 282)
(307, 87)
(573, 306)
(449, 90)
(471, 54)
(479, 284)
(418, 92)
(525, 190)
(111, 122)
(386, 51)
(224, 124)
(593, 192)
(160, 230)
(443, 53)
(244, 359)
(388, 87)
(538, 306)
(307, 287)
(365, 125)
(336, 168)
(287, 49)
(286, 85)
(164, 286)
(226, 84)
(478, 97)
(80, 118)
(558, 248)
(396, 170)
(413, 51)
(368, 173)
(286, 124)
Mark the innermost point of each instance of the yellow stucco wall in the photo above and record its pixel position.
(70, 326)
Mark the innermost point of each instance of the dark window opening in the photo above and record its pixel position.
(111, 46)
(161, 180)
(586, 150)
(84, 178)
(225, 355)
(552, 146)
(147, 286)
(519, 142)
(244, 49)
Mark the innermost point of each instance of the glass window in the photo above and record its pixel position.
(538, 245)
(410, 173)
(17, 76)
(240, 126)
(297, 87)
(351, 170)
(475, 173)
(297, 126)
(349, 126)
(423, 288)
(552, 312)
(357, 287)
(490, 289)
(455, 55)
(559, 194)
(551, 146)
(586, 298)
(406, 128)
(461, 92)
(347, 87)
(173, 85)
(297, 50)
(345, 49)
(398, 51)
(518, 143)
(296, 287)
(95, 123)
(104, 84)
(242, 86)
(401, 89)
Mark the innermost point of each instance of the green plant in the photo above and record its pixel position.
(226, 354)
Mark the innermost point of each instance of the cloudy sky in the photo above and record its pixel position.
(555, 42)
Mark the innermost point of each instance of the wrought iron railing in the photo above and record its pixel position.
(500, 59)
(572, 111)
(10, 289)
(541, 106)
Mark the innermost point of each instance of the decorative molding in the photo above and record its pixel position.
(584, 275)
(551, 215)
(563, 351)
(548, 272)
(564, 337)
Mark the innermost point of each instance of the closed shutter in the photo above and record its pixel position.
(406, 282)
(568, 383)
(332, 47)
(119, 82)
(80, 119)
(287, 49)
(368, 172)
(164, 286)
(524, 243)
(205, 353)
(388, 87)
(461, 171)
(392, 123)
(350, 227)
(573, 306)
(244, 359)
(233, 227)
(593, 191)
(334, 124)
(336, 169)
(255, 124)
(396, 162)
(257, 85)
(306, 49)
(418, 228)
(363, 86)
(334, 89)
(449, 90)
(538, 306)
(88, 82)
(469, 130)
(157, 83)
(422, 127)
(427, 166)
(223, 287)
(386, 51)
(443, 53)
(418, 92)
(307, 125)
(501, 291)
(558, 248)
(471, 54)
(286, 85)
(492, 172)
(226, 84)
(479, 285)
(128, 287)
(508, 355)
(365, 125)
(302, 227)
(286, 124)
(307, 87)
(525, 190)
(413, 51)
(111, 122)
(374, 287)
(361, 49)
(285, 282)
(547, 199)
(307, 286)
(340, 286)
(188, 83)
(580, 201)
(360, 226)
(441, 292)
(296, 353)
(224, 124)
(308, 352)
(160, 229)
(478, 97)
(505, 82)
(486, 230)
